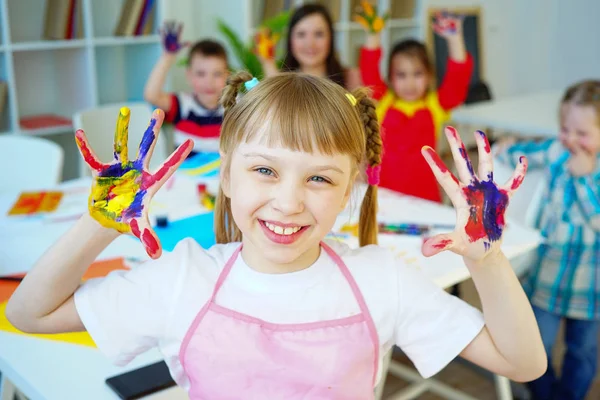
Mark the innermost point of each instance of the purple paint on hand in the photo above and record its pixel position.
(487, 206)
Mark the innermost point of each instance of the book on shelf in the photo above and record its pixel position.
(136, 18)
(42, 121)
(63, 19)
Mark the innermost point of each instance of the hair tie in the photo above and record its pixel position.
(351, 98)
(373, 172)
(251, 83)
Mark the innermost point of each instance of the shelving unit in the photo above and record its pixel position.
(62, 77)
(349, 35)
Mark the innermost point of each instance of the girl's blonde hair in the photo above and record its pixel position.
(303, 113)
(584, 93)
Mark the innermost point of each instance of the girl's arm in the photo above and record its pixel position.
(370, 55)
(43, 302)
(153, 91)
(453, 90)
(265, 44)
(510, 344)
(539, 154)
(121, 193)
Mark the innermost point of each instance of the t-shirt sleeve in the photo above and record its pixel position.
(432, 326)
(173, 115)
(126, 312)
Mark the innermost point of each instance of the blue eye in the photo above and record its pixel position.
(264, 171)
(319, 179)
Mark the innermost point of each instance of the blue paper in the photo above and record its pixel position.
(199, 160)
(199, 227)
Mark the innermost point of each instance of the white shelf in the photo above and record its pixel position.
(48, 45)
(126, 40)
(403, 23)
(53, 130)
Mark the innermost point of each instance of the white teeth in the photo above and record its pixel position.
(282, 231)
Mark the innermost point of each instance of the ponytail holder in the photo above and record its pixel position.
(373, 175)
(351, 98)
(251, 83)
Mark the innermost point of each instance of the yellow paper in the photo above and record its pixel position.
(36, 202)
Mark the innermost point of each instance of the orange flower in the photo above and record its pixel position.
(368, 8)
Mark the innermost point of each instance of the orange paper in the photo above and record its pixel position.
(7, 288)
(35, 202)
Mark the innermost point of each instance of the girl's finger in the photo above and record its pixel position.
(438, 243)
(87, 153)
(121, 135)
(443, 175)
(150, 136)
(460, 156)
(157, 179)
(517, 178)
(486, 163)
(141, 228)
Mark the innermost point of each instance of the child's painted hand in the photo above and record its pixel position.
(479, 202)
(448, 25)
(265, 43)
(122, 189)
(581, 162)
(171, 37)
(369, 19)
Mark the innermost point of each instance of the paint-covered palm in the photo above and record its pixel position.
(122, 189)
(447, 24)
(171, 37)
(480, 204)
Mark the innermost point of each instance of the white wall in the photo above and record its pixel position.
(530, 45)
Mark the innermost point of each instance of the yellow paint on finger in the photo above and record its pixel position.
(122, 133)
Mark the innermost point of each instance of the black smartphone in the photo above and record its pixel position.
(142, 381)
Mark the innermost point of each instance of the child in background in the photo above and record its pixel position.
(273, 311)
(565, 282)
(196, 115)
(310, 48)
(411, 115)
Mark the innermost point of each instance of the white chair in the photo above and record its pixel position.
(99, 125)
(29, 162)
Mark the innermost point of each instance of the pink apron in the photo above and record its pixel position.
(229, 355)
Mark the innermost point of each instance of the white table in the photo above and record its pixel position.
(45, 369)
(531, 115)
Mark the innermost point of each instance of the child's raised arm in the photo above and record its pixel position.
(370, 54)
(153, 91)
(539, 154)
(453, 90)
(510, 343)
(265, 43)
(119, 200)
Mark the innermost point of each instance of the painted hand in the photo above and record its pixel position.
(264, 44)
(368, 18)
(447, 24)
(122, 189)
(171, 35)
(480, 204)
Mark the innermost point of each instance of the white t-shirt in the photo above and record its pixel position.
(154, 304)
